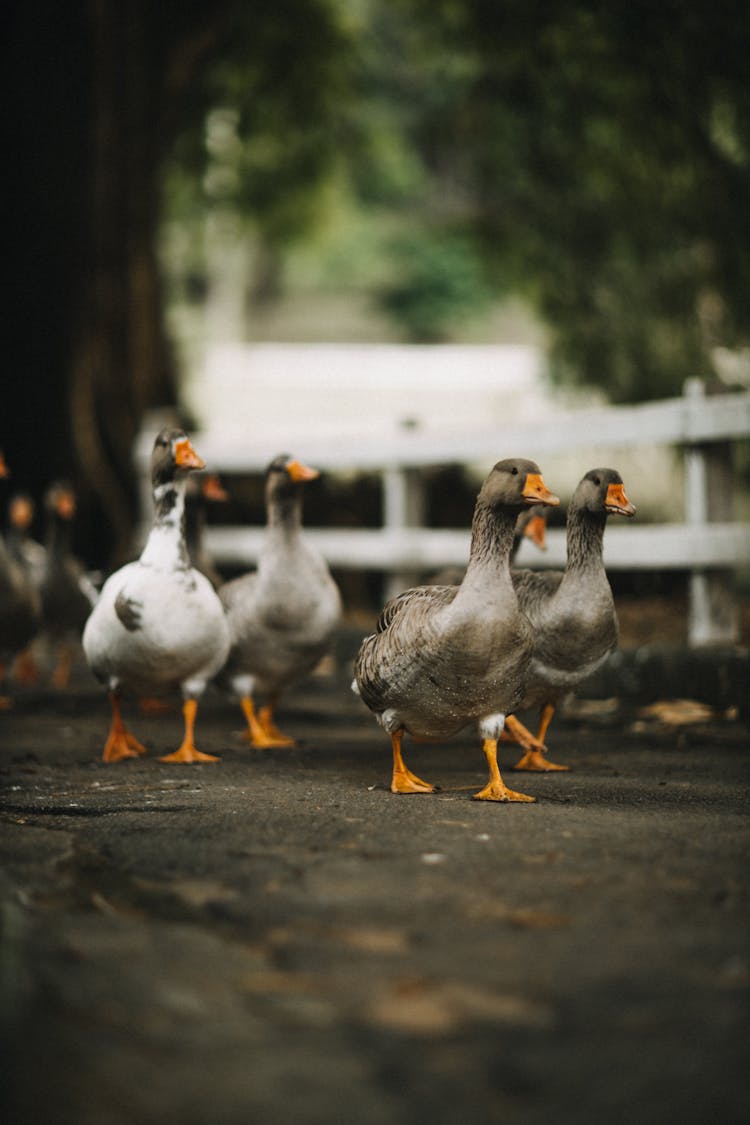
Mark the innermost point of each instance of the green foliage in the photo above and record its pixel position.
(439, 284)
(596, 157)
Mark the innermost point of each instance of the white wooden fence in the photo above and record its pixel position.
(710, 543)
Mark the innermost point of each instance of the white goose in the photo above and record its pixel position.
(283, 616)
(158, 623)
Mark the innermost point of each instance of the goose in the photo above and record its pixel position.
(20, 607)
(572, 611)
(21, 544)
(282, 616)
(444, 657)
(158, 623)
(30, 556)
(67, 594)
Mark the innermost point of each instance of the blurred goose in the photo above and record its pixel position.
(201, 491)
(20, 608)
(572, 611)
(158, 623)
(30, 555)
(282, 617)
(67, 594)
(24, 548)
(447, 656)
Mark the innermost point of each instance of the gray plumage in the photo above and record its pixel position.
(572, 611)
(444, 657)
(282, 616)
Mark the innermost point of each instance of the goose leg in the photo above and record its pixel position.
(26, 670)
(403, 780)
(61, 673)
(260, 733)
(534, 757)
(187, 751)
(120, 742)
(496, 789)
(265, 718)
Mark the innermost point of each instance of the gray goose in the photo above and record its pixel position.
(158, 624)
(572, 611)
(282, 616)
(30, 556)
(20, 608)
(444, 657)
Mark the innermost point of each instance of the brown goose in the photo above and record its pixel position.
(572, 611)
(67, 594)
(447, 656)
(20, 609)
(281, 617)
(158, 624)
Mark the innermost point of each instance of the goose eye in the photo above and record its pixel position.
(597, 480)
(514, 471)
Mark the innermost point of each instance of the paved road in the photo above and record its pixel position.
(278, 939)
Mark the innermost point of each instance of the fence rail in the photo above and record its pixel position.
(710, 543)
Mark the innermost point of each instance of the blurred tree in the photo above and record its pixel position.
(97, 96)
(604, 156)
(592, 157)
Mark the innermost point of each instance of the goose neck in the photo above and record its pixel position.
(491, 541)
(585, 539)
(165, 547)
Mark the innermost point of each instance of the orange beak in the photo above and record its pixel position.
(185, 456)
(536, 531)
(617, 502)
(299, 472)
(65, 505)
(21, 512)
(213, 489)
(535, 491)
(4, 470)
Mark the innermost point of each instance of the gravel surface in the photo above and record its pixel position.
(276, 938)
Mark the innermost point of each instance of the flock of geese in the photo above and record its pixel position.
(443, 657)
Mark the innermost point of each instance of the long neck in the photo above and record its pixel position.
(491, 543)
(585, 535)
(284, 513)
(195, 522)
(59, 535)
(165, 547)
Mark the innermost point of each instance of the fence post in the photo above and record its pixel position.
(403, 506)
(712, 609)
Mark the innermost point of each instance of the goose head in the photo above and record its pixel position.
(601, 492)
(515, 484)
(173, 457)
(284, 479)
(60, 501)
(21, 512)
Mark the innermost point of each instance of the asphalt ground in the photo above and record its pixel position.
(276, 938)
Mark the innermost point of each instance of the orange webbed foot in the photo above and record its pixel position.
(121, 744)
(536, 761)
(187, 753)
(494, 792)
(407, 782)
